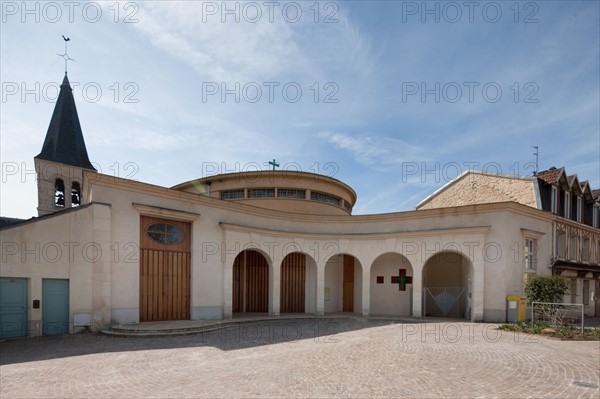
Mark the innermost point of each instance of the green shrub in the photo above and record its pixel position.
(564, 331)
(546, 289)
(506, 327)
(595, 332)
(538, 327)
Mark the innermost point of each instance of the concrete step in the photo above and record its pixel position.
(186, 327)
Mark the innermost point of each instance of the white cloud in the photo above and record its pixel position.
(376, 150)
(231, 51)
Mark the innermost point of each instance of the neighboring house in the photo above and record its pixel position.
(109, 250)
(575, 250)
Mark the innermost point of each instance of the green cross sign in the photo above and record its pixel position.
(274, 164)
(403, 279)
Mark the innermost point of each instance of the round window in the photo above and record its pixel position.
(165, 233)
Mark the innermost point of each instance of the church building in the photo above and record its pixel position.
(106, 250)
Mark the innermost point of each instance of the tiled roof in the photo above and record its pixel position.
(596, 194)
(550, 176)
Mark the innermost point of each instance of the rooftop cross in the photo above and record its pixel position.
(65, 56)
(274, 164)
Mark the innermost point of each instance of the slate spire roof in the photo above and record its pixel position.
(64, 140)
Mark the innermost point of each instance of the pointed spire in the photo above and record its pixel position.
(64, 140)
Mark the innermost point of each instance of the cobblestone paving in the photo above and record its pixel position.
(305, 358)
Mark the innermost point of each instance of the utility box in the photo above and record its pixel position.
(516, 308)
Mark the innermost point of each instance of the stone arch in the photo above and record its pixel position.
(75, 193)
(343, 284)
(250, 283)
(59, 193)
(447, 285)
(298, 287)
(391, 285)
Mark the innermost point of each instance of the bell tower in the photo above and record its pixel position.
(61, 164)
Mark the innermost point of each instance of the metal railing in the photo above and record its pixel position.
(558, 314)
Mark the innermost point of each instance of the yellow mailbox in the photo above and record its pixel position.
(516, 308)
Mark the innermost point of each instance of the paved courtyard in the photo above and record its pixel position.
(305, 358)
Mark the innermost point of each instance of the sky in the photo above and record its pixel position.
(394, 98)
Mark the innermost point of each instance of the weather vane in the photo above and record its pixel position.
(65, 56)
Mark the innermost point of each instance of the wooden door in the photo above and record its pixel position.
(165, 270)
(293, 281)
(250, 283)
(348, 299)
(597, 298)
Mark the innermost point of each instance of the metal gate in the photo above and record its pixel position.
(444, 302)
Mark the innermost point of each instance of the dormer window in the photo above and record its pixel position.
(567, 213)
(579, 209)
(59, 193)
(554, 200)
(75, 194)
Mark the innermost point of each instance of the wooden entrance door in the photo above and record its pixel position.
(293, 281)
(348, 295)
(250, 283)
(597, 298)
(164, 269)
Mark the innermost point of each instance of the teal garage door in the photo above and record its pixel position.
(13, 307)
(55, 306)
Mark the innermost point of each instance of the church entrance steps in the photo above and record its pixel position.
(185, 327)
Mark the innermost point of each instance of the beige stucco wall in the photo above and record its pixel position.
(213, 186)
(386, 298)
(74, 245)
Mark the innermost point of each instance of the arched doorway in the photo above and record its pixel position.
(343, 284)
(250, 283)
(298, 289)
(391, 286)
(447, 285)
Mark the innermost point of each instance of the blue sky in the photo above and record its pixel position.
(396, 99)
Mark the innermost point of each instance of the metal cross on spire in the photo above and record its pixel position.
(274, 164)
(65, 56)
